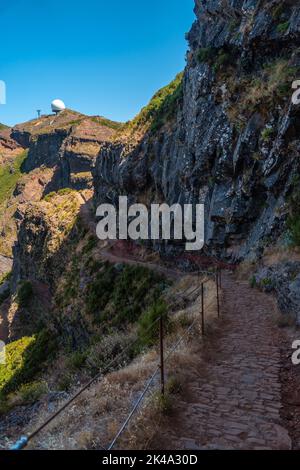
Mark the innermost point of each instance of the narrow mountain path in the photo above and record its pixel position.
(168, 272)
(236, 404)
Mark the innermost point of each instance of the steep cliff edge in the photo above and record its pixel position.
(224, 132)
(44, 155)
(233, 141)
(68, 142)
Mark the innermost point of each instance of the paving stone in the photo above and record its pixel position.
(238, 405)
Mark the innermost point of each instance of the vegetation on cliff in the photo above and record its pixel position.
(160, 110)
(294, 213)
(25, 358)
(9, 176)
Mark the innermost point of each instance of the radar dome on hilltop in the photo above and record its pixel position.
(57, 106)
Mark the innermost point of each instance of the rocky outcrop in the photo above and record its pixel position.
(5, 265)
(234, 141)
(9, 147)
(42, 239)
(283, 279)
(68, 143)
(78, 152)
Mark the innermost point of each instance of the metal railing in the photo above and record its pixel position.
(24, 440)
(163, 359)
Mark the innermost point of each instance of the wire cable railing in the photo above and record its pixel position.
(24, 440)
(149, 383)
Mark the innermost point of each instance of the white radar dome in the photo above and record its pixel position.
(57, 106)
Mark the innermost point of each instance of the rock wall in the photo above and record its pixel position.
(282, 279)
(234, 142)
(68, 143)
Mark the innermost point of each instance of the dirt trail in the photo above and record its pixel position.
(237, 404)
(88, 220)
(168, 272)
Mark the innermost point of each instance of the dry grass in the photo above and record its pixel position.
(154, 421)
(245, 270)
(276, 255)
(152, 427)
(271, 84)
(94, 418)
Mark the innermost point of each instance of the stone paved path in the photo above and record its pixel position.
(237, 406)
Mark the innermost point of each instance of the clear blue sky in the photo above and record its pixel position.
(103, 57)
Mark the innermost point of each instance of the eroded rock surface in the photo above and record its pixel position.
(234, 140)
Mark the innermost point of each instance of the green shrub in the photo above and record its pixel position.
(223, 59)
(266, 282)
(64, 191)
(60, 192)
(49, 196)
(91, 244)
(119, 297)
(147, 334)
(107, 123)
(25, 293)
(99, 291)
(25, 358)
(184, 320)
(218, 58)
(267, 133)
(9, 176)
(206, 54)
(162, 107)
(94, 266)
(77, 360)
(174, 385)
(283, 27)
(32, 392)
(163, 404)
(294, 229)
(293, 221)
(65, 382)
(15, 352)
(5, 277)
(108, 347)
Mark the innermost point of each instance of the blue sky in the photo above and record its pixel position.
(100, 56)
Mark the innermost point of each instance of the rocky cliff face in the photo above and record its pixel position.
(9, 148)
(68, 143)
(60, 153)
(225, 133)
(234, 141)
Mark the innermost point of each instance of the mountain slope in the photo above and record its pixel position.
(234, 141)
(224, 133)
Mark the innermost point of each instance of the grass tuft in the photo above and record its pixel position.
(9, 176)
